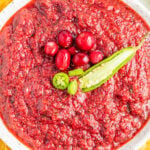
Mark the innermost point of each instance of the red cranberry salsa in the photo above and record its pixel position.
(52, 36)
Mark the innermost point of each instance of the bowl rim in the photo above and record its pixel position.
(13, 142)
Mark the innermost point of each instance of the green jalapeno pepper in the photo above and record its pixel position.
(76, 72)
(61, 81)
(103, 71)
(73, 87)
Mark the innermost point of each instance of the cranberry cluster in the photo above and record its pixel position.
(84, 41)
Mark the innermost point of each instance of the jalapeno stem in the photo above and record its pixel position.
(103, 71)
(76, 72)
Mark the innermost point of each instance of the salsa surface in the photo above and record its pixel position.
(46, 118)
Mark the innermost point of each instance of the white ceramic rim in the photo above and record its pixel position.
(11, 140)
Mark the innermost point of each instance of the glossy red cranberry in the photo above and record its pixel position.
(62, 59)
(80, 59)
(73, 50)
(65, 39)
(85, 41)
(96, 57)
(51, 48)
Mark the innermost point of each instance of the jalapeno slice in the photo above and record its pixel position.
(103, 71)
(61, 81)
(73, 87)
(76, 72)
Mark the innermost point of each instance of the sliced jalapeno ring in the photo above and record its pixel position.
(61, 81)
(73, 87)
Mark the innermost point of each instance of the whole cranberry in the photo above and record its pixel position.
(80, 59)
(85, 41)
(65, 39)
(51, 48)
(62, 59)
(73, 50)
(96, 57)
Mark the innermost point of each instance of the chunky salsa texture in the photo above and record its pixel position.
(46, 118)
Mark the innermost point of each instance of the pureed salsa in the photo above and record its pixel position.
(46, 118)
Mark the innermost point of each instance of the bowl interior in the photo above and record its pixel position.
(10, 140)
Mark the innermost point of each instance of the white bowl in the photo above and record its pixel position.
(11, 140)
